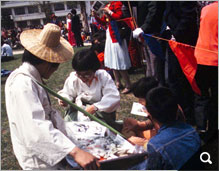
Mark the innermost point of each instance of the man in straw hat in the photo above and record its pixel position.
(38, 132)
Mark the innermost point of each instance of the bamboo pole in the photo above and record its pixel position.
(130, 10)
(195, 47)
(142, 48)
(92, 117)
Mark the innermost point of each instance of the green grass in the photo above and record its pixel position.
(56, 82)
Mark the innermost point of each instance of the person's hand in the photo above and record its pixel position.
(137, 140)
(127, 133)
(107, 10)
(85, 159)
(62, 103)
(91, 109)
(130, 124)
(137, 32)
(94, 13)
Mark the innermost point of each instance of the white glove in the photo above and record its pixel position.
(137, 32)
(173, 38)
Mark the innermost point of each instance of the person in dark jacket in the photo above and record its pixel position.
(181, 18)
(76, 28)
(149, 16)
(150, 21)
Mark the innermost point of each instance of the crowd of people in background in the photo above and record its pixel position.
(12, 36)
(166, 21)
(179, 21)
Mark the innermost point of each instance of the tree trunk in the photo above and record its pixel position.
(84, 16)
(45, 7)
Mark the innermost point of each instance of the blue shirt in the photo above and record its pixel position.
(171, 147)
(6, 50)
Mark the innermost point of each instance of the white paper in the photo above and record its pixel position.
(138, 109)
(125, 144)
(98, 140)
(85, 129)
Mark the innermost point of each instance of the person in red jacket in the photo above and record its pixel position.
(206, 54)
(116, 56)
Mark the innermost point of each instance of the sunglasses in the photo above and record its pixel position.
(85, 75)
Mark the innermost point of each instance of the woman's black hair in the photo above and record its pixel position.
(99, 47)
(85, 60)
(162, 105)
(73, 11)
(100, 36)
(69, 14)
(30, 58)
(142, 86)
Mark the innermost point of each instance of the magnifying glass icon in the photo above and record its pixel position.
(205, 160)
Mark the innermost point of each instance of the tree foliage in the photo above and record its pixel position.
(45, 8)
(84, 16)
(6, 21)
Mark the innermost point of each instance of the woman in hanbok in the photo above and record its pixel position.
(71, 37)
(90, 88)
(116, 56)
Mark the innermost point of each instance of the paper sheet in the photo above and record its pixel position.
(138, 109)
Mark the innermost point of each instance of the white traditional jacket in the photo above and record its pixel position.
(37, 130)
(102, 92)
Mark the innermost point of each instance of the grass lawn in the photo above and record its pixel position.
(8, 160)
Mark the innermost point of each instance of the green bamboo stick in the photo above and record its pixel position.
(92, 117)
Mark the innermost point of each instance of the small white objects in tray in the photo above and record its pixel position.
(98, 140)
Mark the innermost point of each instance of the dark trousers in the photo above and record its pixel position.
(206, 105)
(78, 38)
(180, 86)
(94, 29)
(160, 65)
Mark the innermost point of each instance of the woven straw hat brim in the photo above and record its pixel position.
(62, 53)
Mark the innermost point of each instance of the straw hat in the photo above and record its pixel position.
(47, 44)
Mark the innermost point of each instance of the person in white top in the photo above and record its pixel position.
(90, 88)
(38, 132)
(6, 51)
